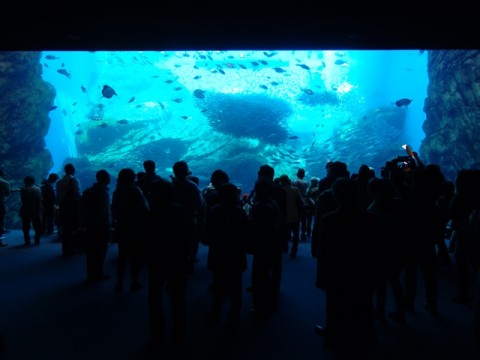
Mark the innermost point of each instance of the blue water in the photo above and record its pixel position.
(362, 81)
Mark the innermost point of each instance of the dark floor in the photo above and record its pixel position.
(48, 311)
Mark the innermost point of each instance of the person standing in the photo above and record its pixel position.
(95, 215)
(31, 209)
(302, 185)
(167, 264)
(4, 192)
(130, 217)
(68, 196)
(192, 202)
(226, 228)
(49, 201)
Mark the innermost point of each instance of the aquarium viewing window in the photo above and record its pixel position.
(234, 110)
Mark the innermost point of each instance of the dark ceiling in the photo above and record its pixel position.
(232, 24)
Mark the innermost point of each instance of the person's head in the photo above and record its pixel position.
(314, 181)
(345, 191)
(28, 180)
(228, 193)
(301, 173)
(69, 169)
(52, 178)
(181, 170)
(338, 169)
(126, 178)
(218, 178)
(267, 172)
(263, 189)
(285, 180)
(149, 166)
(103, 177)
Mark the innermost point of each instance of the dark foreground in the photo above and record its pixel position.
(49, 311)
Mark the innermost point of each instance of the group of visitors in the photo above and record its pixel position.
(367, 233)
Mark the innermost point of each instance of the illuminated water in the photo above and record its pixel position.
(234, 110)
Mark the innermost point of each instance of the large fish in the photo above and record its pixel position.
(108, 92)
(64, 72)
(403, 102)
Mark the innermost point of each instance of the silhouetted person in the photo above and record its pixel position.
(49, 202)
(444, 202)
(310, 201)
(325, 200)
(267, 242)
(392, 220)
(4, 192)
(294, 213)
(68, 196)
(302, 185)
(190, 198)
(365, 173)
(427, 229)
(31, 209)
(463, 204)
(95, 214)
(226, 228)
(347, 251)
(149, 176)
(130, 211)
(167, 264)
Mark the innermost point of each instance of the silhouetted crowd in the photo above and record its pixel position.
(367, 234)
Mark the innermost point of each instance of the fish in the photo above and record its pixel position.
(254, 63)
(197, 77)
(103, 125)
(74, 104)
(169, 81)
(122, 121)
(341, 62)
(308, 91)
(199, 94)
(84, 90)
(52, 108)
(230, 65)
(263, 62)
(274, 83)
(303, 66)
(45, 64)
(78, 132)
(108, 92)
(177, 100)
(132, 99)
(185, 117)
(403, 102)
(51, 57)
(221, 71)
(265, 87)
(279, 70)
(178, 88)
(64, 72)
(294, 137)
(242, 66)
(273, 53)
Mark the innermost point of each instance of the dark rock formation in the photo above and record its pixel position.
(24, 106)
(452, 126)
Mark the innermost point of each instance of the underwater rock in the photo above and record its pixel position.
(452, 111)
(24, 122)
